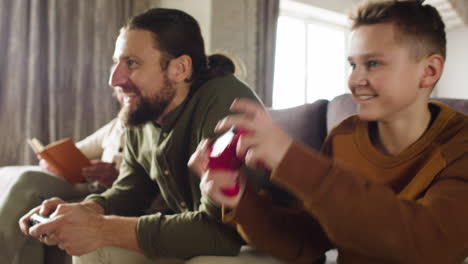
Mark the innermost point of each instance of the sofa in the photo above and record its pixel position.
(309, 123)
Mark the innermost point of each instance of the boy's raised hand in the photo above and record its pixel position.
(198, 162)
(214, 181)
(265, 143)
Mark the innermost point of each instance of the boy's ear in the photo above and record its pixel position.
(432, 71)
(180, 69)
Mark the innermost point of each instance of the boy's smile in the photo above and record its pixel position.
(384, 78)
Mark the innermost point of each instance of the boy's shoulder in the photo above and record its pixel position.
(453, 140)
(347, 126)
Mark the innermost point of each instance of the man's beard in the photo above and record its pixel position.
(148, 109)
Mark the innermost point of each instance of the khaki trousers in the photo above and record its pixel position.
(23, 188)
(114, 255)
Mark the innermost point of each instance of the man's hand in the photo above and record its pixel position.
(45, 209)
(74, 227)
(103, 172)
(265, 143)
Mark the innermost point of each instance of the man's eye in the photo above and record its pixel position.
(131, 63)
(352, 65)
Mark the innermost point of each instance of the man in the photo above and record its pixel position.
(161, 67)
(32, 185)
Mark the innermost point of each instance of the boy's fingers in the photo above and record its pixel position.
(241, 122)
(245, 142)
(205, 144)
(247, 106)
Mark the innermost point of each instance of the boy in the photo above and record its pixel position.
(391, 185)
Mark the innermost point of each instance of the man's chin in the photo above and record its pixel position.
(129, 118)
(136, 118)
(135, 121)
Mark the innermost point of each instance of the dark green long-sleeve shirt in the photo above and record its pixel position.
(155, 162)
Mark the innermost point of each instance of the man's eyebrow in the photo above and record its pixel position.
(124, 57)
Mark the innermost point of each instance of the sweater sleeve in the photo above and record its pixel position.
(289, 234)
(369, 219)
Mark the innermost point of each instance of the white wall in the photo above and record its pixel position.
(335, 5)
(234, 31)
(228, 26)
(201, 10)
(454, 81)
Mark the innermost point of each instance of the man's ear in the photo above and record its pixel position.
(180, 69)
(433, 69)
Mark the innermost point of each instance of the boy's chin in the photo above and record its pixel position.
(367, 117)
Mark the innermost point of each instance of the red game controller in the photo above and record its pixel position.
(223, 156)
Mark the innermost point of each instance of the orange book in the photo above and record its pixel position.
(64, 157)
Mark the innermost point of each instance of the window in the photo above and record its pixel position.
(310, 62)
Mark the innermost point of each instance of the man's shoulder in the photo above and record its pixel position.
(226, 86)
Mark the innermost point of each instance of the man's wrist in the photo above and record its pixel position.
(119, 232)
(95, 207)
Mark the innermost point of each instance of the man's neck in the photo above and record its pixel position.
(182, 91)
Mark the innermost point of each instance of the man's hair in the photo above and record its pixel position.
(177, 33)
(418, 25)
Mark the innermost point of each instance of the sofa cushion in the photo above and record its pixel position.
(340, 108)
(461, 105)
(306, 123)
(343, 106)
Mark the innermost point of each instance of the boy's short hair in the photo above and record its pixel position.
(418, 25)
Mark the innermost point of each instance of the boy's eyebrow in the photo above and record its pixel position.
(366, 55)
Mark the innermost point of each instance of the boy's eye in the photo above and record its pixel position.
(372, 64)
(352, 65)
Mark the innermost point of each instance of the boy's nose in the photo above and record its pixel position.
(119, 76)
(357, 78)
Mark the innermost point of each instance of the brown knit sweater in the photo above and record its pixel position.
(374, 208)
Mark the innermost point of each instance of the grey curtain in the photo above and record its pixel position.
(267, 20)
(54, 66)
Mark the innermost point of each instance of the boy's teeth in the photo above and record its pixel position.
(365, 97)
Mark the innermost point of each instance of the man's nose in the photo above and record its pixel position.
(119, 75)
